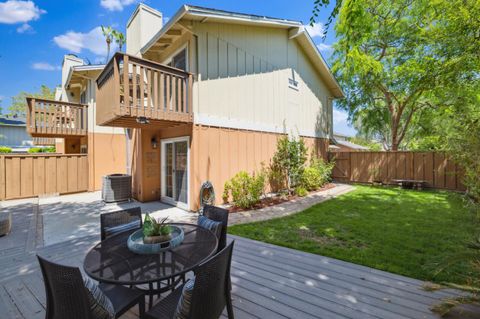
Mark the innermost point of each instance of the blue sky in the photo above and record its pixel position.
(34, 35)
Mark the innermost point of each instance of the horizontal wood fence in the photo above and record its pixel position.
(24, 175)
(367, 167)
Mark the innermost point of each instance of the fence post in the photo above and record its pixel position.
(2, 178)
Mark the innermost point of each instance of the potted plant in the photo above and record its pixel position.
(155, 232)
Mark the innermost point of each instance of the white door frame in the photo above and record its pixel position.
(163, 197)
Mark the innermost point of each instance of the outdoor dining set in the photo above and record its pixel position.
(186, 277)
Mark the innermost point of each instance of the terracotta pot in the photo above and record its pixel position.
(156, 239)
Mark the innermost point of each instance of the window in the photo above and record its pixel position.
(179, 61)
(292, 83)
(83, 97)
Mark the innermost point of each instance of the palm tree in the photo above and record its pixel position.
(119, 39)
(108, 33)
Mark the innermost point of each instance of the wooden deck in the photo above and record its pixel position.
(268, 281)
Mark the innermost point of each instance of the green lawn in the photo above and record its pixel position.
(402, 231)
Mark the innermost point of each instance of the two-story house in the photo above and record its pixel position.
(208, 94)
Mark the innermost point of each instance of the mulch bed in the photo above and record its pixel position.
(275, 200)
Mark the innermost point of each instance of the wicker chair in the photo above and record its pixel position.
(218, 214)
(118, 218)
(210, 292)
(67, 295)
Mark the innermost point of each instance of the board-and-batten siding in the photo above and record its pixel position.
(243, 81)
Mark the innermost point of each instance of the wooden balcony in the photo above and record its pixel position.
(47, 118)
(133, 92)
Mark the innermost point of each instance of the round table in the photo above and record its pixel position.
(111, 261)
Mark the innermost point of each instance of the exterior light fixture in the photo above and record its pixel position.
(154, 142)
(142, 120)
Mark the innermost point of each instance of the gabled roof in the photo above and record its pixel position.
(296, 31)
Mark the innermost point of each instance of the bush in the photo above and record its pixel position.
(245, 189)
(50, 149)
(289, 161)
(301, 191)
(311, 179)
(5, 149)
(317, 174)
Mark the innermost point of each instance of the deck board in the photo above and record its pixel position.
(267, 282)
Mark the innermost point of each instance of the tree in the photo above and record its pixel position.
(108, 34)
(119, 39)
(19, 102)
(388, 65)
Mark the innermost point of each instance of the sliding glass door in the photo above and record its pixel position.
(174, 174)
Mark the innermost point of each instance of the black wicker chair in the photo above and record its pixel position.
(67, 295)
(118, 218)
(210, 292)
(218, 214)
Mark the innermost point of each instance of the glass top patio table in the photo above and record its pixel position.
(111, 261)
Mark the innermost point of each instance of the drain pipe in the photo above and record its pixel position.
(127, 151)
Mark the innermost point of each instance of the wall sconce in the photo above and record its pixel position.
(154, 142)
(142, 120)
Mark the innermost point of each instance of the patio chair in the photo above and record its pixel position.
(112, 223)
(68, 296)
(218, 214)
(208, 293)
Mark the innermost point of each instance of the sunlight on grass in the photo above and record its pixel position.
(401, 231)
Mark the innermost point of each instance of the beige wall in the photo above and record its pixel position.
(217, 154)
(106, 155)
(146, 160)
(243, 81)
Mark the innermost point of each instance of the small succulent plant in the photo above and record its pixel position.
(153, 228)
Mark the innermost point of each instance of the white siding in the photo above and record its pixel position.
(243, 81)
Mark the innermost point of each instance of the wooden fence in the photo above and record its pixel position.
(23, 175)
(367, 167)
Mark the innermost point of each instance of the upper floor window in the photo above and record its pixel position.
(179, 60)
(83, 97)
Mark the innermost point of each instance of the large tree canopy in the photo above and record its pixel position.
(392, 57)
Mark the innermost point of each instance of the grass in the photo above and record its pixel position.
(401, 231)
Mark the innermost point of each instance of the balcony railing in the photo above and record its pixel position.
(132, 92)
(47, 118)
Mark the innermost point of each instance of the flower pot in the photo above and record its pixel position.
(156, 239)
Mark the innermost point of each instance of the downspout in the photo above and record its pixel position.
(127, 151)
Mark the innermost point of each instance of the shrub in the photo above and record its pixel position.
(289, 161)
(317, 174)
(5, 149)
(301, 191)
(50, 149)
(276, 177)
(245, 189)
(311, 178)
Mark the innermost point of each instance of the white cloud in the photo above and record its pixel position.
(323, 47)
(339, 117)
(116, 5)
(44, 66)
(76, 42)
(25, 28)
(15, 11)
(316, 30)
